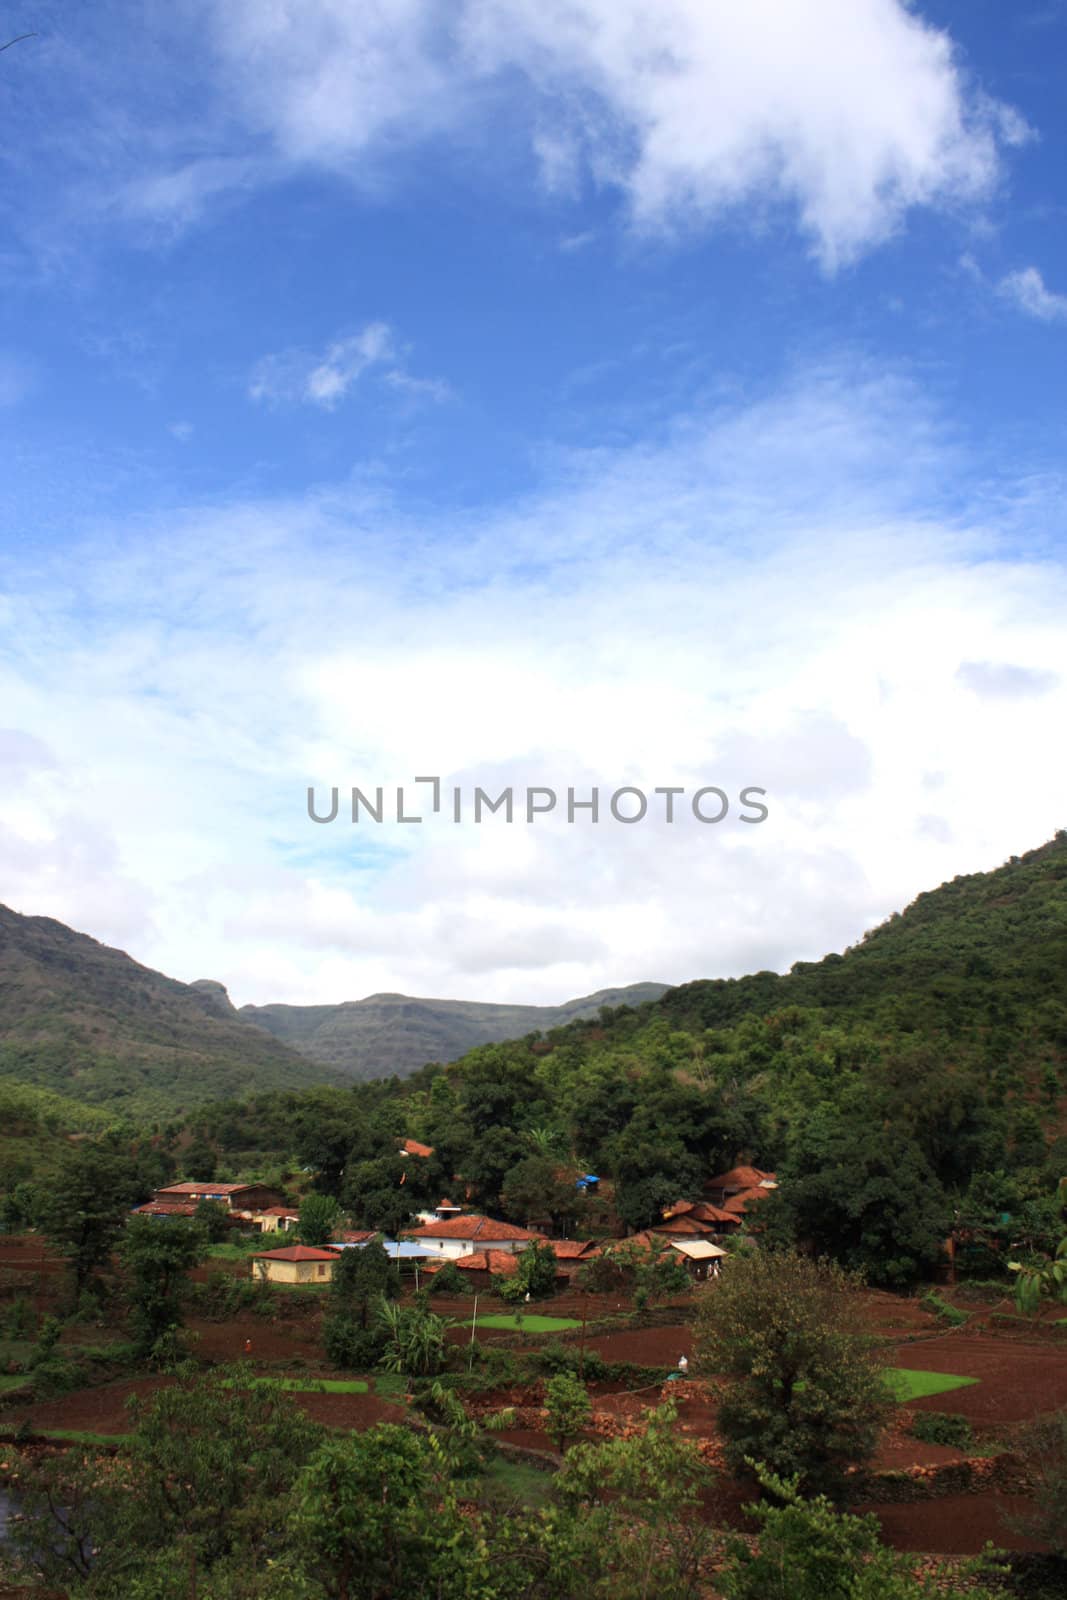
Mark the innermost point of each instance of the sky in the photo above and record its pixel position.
(577, 394)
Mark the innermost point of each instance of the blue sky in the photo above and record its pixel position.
(574, 392)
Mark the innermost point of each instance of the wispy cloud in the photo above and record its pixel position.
(326, 379)
(1026, 289)
(838, 117)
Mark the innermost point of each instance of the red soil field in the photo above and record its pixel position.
(955, 1525)
(1017, 1381)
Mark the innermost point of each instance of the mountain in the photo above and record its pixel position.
(87, 1022)
(396, 1034)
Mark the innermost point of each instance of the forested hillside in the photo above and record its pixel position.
(87, 1022)
(918, 1076)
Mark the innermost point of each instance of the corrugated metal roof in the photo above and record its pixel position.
(697, 1249)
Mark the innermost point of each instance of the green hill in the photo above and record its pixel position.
(88, 1023)
(396, 1034)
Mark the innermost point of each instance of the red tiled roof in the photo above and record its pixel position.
(359, 1236)
(739, 1178)
(699, 1211)
(681, 1227)
(280, 1211)
(296, 1252)
(159, 1208)
(412, 1147)
(208, 1188)
(739, 1203)
(573, 1249)
(501, 1263)
(487, 1228)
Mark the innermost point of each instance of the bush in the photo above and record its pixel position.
(448, 1280)
(943, 1311)
(556, 1357)
(942, 1427)
(349, 1345)
(56, 1376)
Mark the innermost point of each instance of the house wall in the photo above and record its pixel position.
(294, 1271)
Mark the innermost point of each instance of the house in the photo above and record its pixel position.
(738, 1179)
(276, 1219)
(239, 1198)
(572, 1254)
(483, 1268)
(462, 1236)
(296, 1263)
(742, 1203)
(696, 1219)
(699, 1257)
(412, 1147)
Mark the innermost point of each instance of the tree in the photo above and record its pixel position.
(536, 1268)
(636, 1527)
(86, 1206)
(840, 1195)
(213, 1458)
(447, 1280)
(809, 1551)
(363, 1278)
(533, 1190)
(157, 1256)
(200, 1161)
(318, 1219)
(212, 1219)
(1049, 1278)
(378, 1518)
(807, 1396)
(568, 1407)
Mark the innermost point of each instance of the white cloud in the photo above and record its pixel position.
(326, 380)
(848, 112)
(773, 596)
(1026, 289)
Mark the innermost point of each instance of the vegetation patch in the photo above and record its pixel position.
(907, 1383)
(526, 1323)
(942, 1427)
(952, 1315)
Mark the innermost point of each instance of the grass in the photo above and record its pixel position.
(390, 1384)
(529, 1486)
(66, 1435)
(13, 1380)
(526, 1322)
(325, 1385)
(311, 1385)
(908, 1384)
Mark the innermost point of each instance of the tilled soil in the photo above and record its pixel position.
(1016, 1381)
(953, 1525)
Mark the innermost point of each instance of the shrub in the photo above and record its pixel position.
(555, 1357)
(943, 1311)
(349, 1345)
(568, 1408)
(942, 1427)
(448, 1280)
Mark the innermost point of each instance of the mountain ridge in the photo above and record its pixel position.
(389, 1033)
